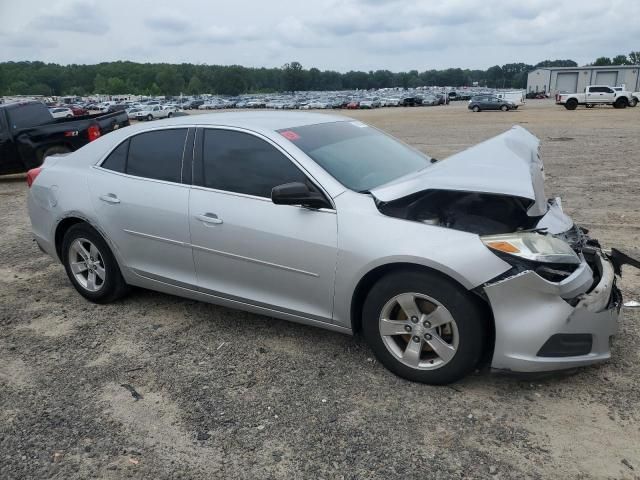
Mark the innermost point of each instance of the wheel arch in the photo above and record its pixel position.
(61, 229)
(372, 276)
(75, 218)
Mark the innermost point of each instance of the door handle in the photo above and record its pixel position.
(110, 198)
(211, 218)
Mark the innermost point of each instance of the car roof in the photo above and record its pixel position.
(253, 120)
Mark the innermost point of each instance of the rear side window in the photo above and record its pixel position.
(157, 154)
(242, 163)
(29, 115)
(117, 160)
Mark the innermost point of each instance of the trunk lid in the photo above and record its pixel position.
(508, 164)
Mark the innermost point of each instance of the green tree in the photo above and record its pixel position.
(18, 88)
(620, 60)
(634, 58)
(170, 81)
(495, 77)
(100, 84)
(556, 63)
(293, 77)
(39, 89)
(230, 82)
(195, 85)
(116, 86)
(602, 61)
(154, 90)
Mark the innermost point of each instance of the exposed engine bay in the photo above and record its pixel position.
(481, 213)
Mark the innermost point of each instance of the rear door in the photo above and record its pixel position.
(142, 204)
(245, 247)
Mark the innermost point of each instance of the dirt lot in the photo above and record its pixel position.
(226, 394)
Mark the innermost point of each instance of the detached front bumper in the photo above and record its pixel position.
(542, 325)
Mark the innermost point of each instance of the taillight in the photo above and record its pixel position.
(94, 132)
(32, 174)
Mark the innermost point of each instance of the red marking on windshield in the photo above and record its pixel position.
(290, 135)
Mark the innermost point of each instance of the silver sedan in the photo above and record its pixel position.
(326, 221)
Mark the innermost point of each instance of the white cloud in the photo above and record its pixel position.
(330, 34)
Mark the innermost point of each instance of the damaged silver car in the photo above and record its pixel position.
(329, 222)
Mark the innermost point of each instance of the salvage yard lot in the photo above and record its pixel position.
(228, 394)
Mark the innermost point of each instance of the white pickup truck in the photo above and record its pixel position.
(595, 95)
(151, 112)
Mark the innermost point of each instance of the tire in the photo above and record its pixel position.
(504, 108)
(476, 108)
(571, 104)
(634, 102)
(149, 118)
(108, 285)
(589, 105)
(409, 355)
(53, 150)
(69, 116)
(169, 115)
(621, 103)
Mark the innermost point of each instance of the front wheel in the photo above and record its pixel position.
(476, 108)
(91, 266)
(169, 115)
(149, 118)
(424, 327)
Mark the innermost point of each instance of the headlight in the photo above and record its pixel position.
(532, 246)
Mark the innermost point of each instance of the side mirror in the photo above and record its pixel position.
(297, 193)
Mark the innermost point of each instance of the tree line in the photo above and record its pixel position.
(123, 77)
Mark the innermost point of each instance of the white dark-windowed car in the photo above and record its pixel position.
(327, 221)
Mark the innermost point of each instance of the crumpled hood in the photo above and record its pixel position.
(508, 164)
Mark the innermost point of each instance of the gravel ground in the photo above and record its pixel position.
(160, 387)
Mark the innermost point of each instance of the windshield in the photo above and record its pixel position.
(358, 156)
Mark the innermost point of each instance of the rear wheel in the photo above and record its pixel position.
(423, 327)
(91, 266)
(634, 102)
(504, 108)
(571, 104)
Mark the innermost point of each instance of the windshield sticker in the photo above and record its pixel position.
(290, 135)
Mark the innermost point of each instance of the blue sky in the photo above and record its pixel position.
(331, 34)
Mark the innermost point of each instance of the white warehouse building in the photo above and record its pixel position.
(574, 79)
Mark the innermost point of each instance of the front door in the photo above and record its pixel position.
(245, 247)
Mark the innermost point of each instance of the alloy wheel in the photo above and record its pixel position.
(419, 331)
(87, 264)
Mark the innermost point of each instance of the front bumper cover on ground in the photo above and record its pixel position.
(528, 310)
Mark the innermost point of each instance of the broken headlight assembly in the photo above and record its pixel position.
(532, 247)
